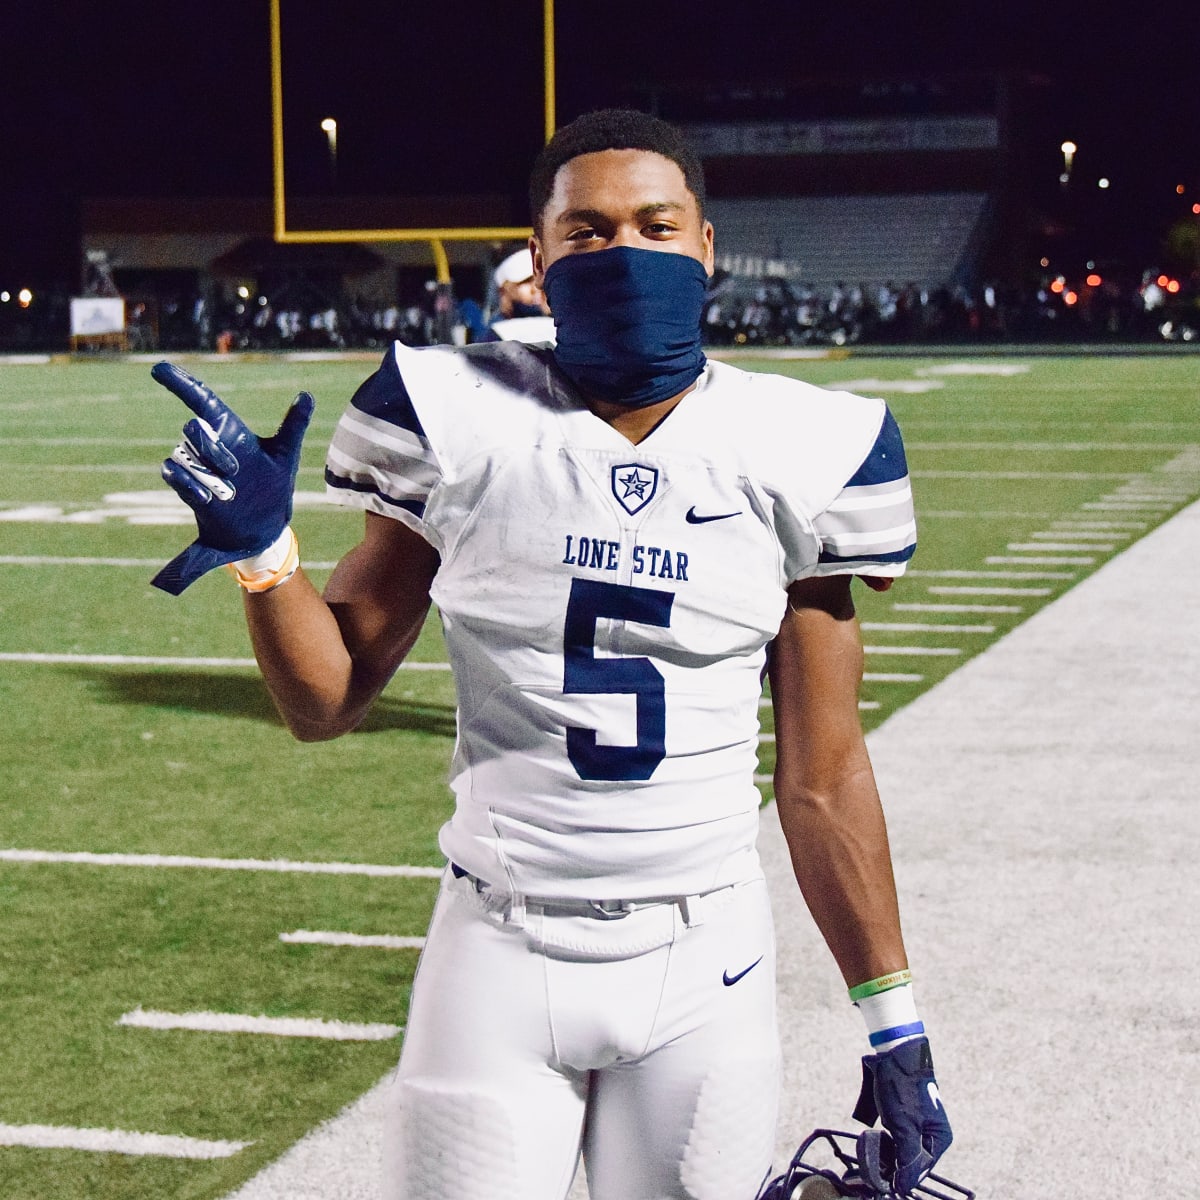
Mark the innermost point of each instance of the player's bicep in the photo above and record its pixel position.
(815, 669)
(379, 594)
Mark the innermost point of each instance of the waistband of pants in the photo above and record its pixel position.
(602, 910)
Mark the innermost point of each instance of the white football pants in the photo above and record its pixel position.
(533, 1036)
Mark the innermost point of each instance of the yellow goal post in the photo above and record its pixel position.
(436, 237)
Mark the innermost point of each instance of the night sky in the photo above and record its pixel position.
(172, 98)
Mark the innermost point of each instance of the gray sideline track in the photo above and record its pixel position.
(1043, 816)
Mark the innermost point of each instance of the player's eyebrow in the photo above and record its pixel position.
(593, 216)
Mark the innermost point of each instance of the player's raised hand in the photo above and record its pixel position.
(238, 485)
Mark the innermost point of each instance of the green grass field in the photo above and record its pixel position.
(1028, 473)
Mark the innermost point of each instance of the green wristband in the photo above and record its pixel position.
(884, 983)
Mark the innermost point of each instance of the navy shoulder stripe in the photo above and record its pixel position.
(345, 484)
(890, 556)
(384, 396)
(886, 462)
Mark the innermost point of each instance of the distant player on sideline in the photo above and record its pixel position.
(522, 314)
(618, 536)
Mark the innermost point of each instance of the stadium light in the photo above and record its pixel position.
(329, 125)
(1068, 153)
(1103, 183)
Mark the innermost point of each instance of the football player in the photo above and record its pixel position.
(619, 537)
(522, 314)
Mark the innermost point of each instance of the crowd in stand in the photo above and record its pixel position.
(779, 312)
(769, 312)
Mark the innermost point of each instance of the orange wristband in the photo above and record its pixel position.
(252, 577)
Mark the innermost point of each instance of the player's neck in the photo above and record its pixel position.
(635, 424)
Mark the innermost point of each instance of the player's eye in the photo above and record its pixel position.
(659, 229)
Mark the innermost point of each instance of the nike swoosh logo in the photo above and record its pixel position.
(693, 518)
(729, 980)
(933, 1094)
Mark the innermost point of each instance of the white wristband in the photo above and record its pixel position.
(271, 559)
(891, 1017)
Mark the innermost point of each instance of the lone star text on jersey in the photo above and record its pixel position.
(602, 554)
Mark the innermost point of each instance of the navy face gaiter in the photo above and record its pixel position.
(628, 322)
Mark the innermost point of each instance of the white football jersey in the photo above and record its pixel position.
(606, 606)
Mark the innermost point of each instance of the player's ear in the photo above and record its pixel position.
(709, 238)
(539, 263)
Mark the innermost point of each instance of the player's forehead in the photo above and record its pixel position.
(616, 182)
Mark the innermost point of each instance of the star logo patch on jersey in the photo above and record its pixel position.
(634, 485)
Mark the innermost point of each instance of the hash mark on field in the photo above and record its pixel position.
(928, 651)
(951, 514)
(945, 590)
(1080, 476)
(1122, 506)
(1046, 560)
(83, 560)
(162, 660)
(922, 627)
(383, 941)
(890, 677)
(957, 608)
(297, 1027)
(115, 1141)
(1073, 523)
(1077, 535)
(281, 865)
(959, 574)
(1070, 547)
(864, 705)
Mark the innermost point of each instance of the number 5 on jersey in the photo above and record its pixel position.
(583, 672)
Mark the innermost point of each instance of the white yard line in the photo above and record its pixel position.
(1074, 523)
(1073, 547)
(921, 627)
(1078, 535)
(326, 937)
(63, 560)
(914, 651)
(1052, 447)
(1121, 506)
(295, 1027)
(1046, 560)
(116, 1141)
(890, 677)
(974, 514)
(963, 574)
(158, 660)
(971, 590)
(1079, 476)
(278, 865)
(919, 607)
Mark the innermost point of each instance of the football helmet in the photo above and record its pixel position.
(859, 1166)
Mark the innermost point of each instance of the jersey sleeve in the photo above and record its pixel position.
(869, 528)
(380, 458)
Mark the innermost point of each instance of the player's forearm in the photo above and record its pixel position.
(305, 662)
(840, 855)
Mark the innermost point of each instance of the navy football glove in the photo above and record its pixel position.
(238, 485)
(900, 1091)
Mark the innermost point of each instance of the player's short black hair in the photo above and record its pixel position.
(611, 129)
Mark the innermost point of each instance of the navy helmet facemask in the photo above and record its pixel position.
(627, 322)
